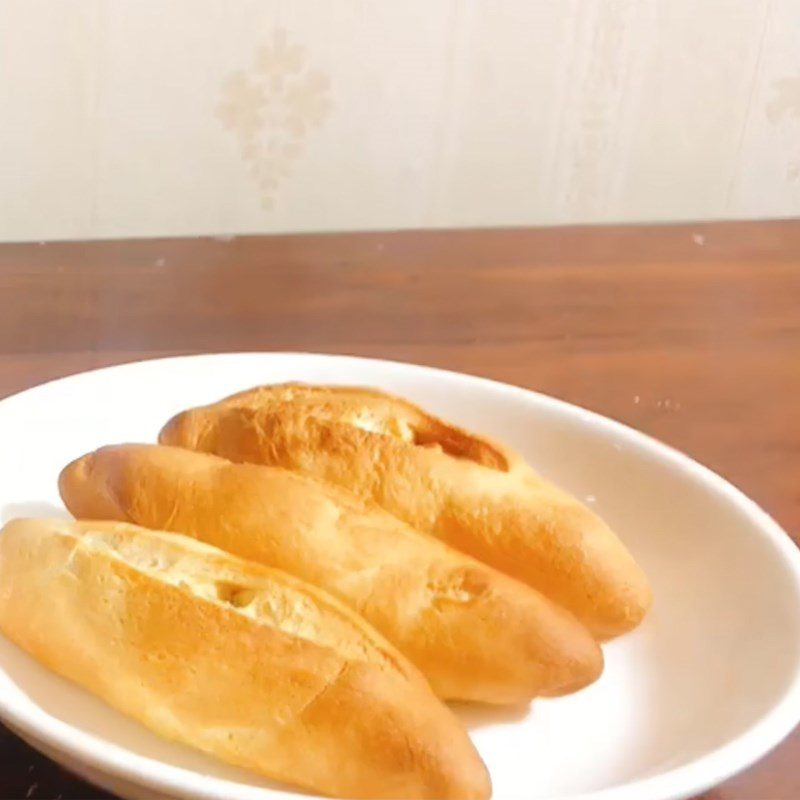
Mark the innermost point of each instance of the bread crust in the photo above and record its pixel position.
(474, 494)
(244, 662)
(475, 633)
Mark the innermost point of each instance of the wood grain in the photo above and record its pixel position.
(690, 333)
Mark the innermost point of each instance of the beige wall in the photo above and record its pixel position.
(148, 117)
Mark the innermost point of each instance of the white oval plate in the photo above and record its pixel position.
(707, 685)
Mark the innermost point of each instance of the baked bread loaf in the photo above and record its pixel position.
(474, 632)
(473, 494)
(244, 662)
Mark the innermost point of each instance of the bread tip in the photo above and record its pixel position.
(170, 433)
(84, 492)
(187, 429)
(587, 662)
(73, 475)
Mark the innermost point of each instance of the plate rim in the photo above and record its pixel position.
(710, 769)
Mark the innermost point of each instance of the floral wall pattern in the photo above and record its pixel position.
(271, 109)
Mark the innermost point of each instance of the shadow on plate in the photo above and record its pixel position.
(475, 716)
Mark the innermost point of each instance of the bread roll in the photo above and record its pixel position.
(246, 663)
(475, 633)
(473, 494)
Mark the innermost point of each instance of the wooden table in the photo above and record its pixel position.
(690, 333)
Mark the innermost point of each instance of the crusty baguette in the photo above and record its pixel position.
(478, 496)
(475, 633)
(241, 661)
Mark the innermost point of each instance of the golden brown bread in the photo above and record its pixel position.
(475, 633)
(241, 661)
(475, 495)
